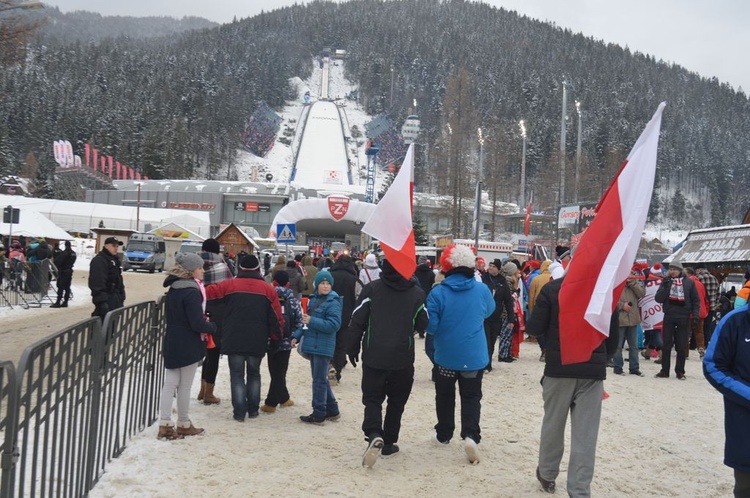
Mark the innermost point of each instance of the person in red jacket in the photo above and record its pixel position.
(252, 316)
(700, 343)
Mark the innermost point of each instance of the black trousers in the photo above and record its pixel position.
(64, 280)
(676, 333)
(378, 384)
(211, 361)
(491, 331)
(470, 390)
(339, 354)
(278, 363)
(741, 484)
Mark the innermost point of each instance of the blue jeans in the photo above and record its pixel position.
(245, 397)
(629, 333)
(323, 401)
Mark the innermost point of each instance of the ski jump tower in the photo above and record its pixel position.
(371, 151)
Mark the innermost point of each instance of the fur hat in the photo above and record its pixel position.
(250, 262)
(371, 261)
(323, 276)
(211, 245)
(189, 261)
(456, 256)
(281, 277)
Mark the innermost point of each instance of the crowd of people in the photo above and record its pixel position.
(21, 267)
(261, 129)
(337, 311)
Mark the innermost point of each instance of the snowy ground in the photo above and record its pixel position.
(658, 437)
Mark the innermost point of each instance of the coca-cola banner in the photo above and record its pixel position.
(652, 314)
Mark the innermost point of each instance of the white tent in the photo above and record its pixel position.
(83, 216)
(33, 224)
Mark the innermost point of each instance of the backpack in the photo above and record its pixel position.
(288, 314)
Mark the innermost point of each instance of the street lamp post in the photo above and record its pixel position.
(578, 153)
(562, 142)
(481, 153)
(138, 208)
(522, 197)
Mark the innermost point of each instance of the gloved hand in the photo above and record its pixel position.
(353, 359)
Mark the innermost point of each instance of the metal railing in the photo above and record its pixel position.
(28, 284)
(78, 396)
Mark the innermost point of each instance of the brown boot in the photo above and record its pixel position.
(208, 396)
(646, 353)
(202, 392)
(167, 432)
(188, 429)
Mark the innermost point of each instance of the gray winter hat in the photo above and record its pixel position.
(189, 261)
(676, 264)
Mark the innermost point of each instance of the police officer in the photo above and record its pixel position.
(105, 279)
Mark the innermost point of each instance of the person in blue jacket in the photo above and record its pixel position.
(323, 320)
(457, 308)
(726, 366)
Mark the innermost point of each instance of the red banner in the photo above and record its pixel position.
(87, 148)
(111, 160)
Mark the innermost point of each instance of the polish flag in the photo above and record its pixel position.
(391, 222)
(596, 275)
(527, 220)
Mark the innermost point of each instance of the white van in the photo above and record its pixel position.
(145, 251)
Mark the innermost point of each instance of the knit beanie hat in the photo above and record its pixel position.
(562, 251)
(510, 268)
(456, 256)
(211, 245)
(189, 261)
(323, 276)
(281, 278)
(250, 262)
(422, 260)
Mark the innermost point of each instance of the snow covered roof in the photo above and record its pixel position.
(82, 216)
(34, 224)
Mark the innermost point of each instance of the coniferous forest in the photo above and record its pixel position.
(173, 100)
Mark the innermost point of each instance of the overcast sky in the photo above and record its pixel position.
(709, 37)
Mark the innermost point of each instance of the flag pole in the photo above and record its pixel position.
(477, 213)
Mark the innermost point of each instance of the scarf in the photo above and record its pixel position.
(677, 291)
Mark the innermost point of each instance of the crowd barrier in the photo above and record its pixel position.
(76, 399)
(28, 284)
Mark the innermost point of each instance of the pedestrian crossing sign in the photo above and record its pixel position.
(286, 233)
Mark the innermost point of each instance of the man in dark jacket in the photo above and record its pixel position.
(681, 304)
(344, 274)
(576, 389)
(252, 316)
(105, 279)
(726, 365)
(498, 285)
(388, 313)
(64, 262)
(424, 274)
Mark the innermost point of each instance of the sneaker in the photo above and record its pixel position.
(389, 449)
(333, 418)
(287, 403)
(646, 354)
(267, 409)
(681, 376)
(547, 486)
(638, 373)
(439, 441)
(472, 450)
(619, 372)
(372, 452)
(662, 375)
(311, 419)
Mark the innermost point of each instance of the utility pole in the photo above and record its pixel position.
(522, 197)
(562, 143)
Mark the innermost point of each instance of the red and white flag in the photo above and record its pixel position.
(527, 220)
(596, 275)
(391, 221)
